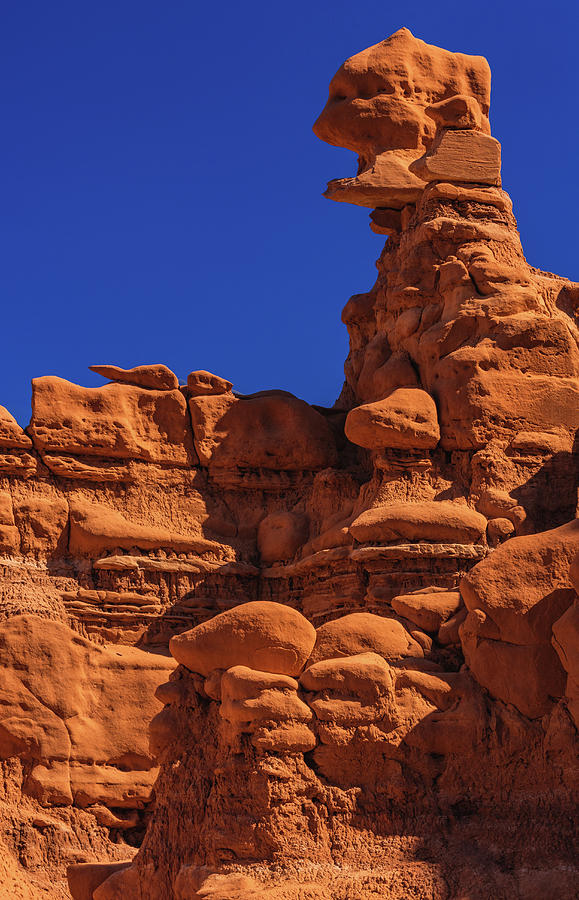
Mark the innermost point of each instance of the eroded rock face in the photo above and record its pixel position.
(371, 609)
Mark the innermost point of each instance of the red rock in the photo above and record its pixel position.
(84, 878)
(462, 380)
(565, 640)
(529, 677)
(405, 419)
(521, 596)
(117, 420)
(270, 431)
(156, 377)
(461, 156)
(270, 637)
(428, 521)
(378, 107)
(280, 535)
(76, 714)
(201, 383)
(11, 434)
(361, 633)
(95, 528)
(428, 611)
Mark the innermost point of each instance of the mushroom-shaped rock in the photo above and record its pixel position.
(361, 633)
(201, 383)
(427, 521)
(379, 106)
(262, 635)
(280, 535)
(405, 420)
(157, 377)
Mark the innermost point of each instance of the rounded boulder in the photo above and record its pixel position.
(362, 633)
(263, 635)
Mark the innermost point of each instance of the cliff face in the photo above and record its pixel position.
(360, 623)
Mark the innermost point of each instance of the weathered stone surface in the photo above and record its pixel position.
(201, 383)
(157, 377)
(518, 594)
(273, 430)
(95, 528)
(565, 640)
(406, 419)
(428, 611)
(76, 714)
(280, 535)
(361, 633)
(514, 600)
(11, 434)
(428, 521)
(84, 878)
(461, 156)
(374, 606)
(117, 420)
(378, 107)
(271, 637)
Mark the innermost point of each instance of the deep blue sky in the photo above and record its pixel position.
(161, 185)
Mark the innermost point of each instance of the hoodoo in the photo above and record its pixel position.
(255, 648)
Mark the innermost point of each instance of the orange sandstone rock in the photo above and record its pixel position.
(156, 377)
(117, 420)
(363, 632)
(406, 419)
(201, 383)
(77, 714)
(262, 635)
(280, 535)
(427, 525)
(273, 430)
(428, 521)
(378, 107)
(428, 611)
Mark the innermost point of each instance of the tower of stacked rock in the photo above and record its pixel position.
(361, 623)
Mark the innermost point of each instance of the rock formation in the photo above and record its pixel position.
(352, 631)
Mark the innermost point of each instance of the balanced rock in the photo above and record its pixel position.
(262, 635)
(156, 377)
(378, 106)
(406, 419)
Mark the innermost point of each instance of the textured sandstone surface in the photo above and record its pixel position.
(255, 648)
